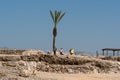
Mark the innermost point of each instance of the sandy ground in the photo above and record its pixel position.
(79, 76)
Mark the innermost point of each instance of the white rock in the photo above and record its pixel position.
(27, 68)
(95, 71)
(70, 71)
(118, 63)
(32, 52)
(22, 63)
(32, 66)
(25, 73)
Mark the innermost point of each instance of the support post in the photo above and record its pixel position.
(103, 52)
(107, 52)
(113, 53)
(118, 53)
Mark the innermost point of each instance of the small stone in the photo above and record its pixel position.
(32, 52)
(22, 63)
(95, 71)
(47, 66)
(25, 73)
(10, 63)
(11, 58)
(2, 74)
(12, 78)
(70, 71)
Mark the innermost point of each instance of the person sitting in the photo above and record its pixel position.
(61, 51)
(71, 51)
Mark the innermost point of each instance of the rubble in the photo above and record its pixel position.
(30, 62)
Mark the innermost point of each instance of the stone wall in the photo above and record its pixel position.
(10, 51)
(28, 62)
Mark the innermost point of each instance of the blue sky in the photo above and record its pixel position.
(88, 25)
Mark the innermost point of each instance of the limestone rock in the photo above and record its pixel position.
(32, 52)
(10, 63)
(70, 71)
(28, 69)
(22, 63)
(25, 73)
(2, 74)
(10, 58)
(30, 58)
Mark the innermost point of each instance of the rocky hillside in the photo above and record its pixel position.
(22, 64)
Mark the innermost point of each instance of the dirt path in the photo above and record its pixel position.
(55, 76)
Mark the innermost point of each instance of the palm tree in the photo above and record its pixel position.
(56, 17)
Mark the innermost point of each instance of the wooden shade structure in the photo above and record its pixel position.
(111, 49)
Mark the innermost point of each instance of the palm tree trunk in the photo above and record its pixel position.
(54, 47)
(54, 39)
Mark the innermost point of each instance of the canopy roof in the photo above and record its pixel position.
(111, 49)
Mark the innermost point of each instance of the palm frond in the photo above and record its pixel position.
(56, 12)
(52, 16)
(56, 16)
(61, 17)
